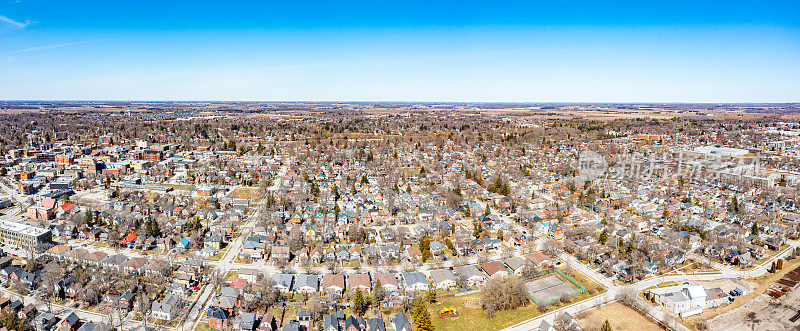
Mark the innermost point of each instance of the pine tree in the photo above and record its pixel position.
(606, 326)
(377, 293)
(431, 296)
(603, 237)
(421, 316)
(359, 307)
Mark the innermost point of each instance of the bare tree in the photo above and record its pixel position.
(51, 274)
(215, 278)
(503, 293)
(143, 304)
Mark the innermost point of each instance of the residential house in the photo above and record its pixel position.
(283, 282)
(333, 284)
(70, 322)
(400, 322)
(415, 281)
(280, 254)
(494, 269)
(684, 300)
(388, 281)
(166, 308)
(305, 283)
(359, 282)
(217, 318)
(443, 278)
(471, 275)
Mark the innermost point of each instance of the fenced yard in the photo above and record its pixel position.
(550, 285)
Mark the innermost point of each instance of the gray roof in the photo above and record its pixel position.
(330, 321)
(414, 277)
(166, 304)
(441, 275)
(229, 292)
(376, 324)
(89, 326)
(248, 320)
(515, 262)
(283, 280)
(469, 271)
(400, 322)
(116, 259)
(306, 280)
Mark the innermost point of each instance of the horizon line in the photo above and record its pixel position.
(415, 101)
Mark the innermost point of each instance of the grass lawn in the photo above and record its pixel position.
(619, 316)
(202, 326)
(291, 313)
(586, 281)
(475, 318)
(218, 256)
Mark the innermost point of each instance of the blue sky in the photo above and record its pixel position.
(527, 51)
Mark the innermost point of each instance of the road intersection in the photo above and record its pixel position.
(612, 289)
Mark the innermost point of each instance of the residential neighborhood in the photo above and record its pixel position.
(152, 219)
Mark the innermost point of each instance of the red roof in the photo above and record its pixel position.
(67, 206)
(239, 283)
(129, 238)
(493, 267)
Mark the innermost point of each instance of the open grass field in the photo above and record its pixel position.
(203, 327)
(620, 316)
(475, 318)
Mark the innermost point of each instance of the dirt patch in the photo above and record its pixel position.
(761, 313)
(757, 286)
(620, 317)
(729, 284)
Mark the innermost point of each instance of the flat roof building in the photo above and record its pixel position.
(25, 236)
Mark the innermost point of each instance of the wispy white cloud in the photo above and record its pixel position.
(40, 48)
(18, 24)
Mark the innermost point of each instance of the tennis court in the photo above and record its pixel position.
(548, 289)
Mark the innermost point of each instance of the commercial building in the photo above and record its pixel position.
(25, 236)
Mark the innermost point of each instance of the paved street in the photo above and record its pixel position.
(726, 272)
(224, 265)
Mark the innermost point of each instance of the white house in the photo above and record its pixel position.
(283, 282)
(415, 281)
(684, 300)
(471, 274)
(306, 283)
(166, 308)
(443, 278)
